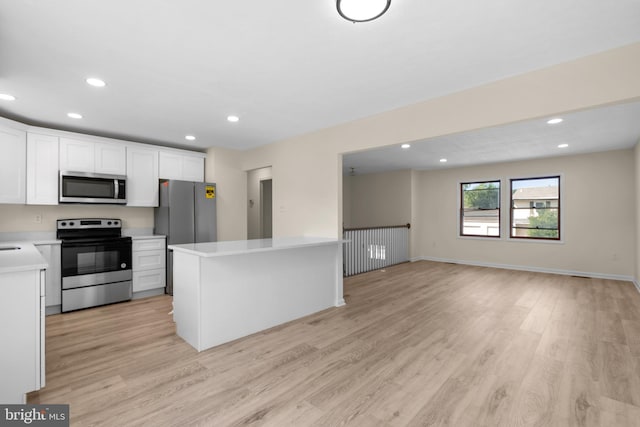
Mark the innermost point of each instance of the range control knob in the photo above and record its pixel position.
(71, 223)
(64, 224)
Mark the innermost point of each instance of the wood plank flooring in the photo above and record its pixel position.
(418, 344)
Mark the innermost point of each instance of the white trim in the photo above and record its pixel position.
(635, 283)
(534, 269)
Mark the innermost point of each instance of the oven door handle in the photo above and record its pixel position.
(100, 243)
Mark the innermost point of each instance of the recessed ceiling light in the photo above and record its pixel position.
(405, 146)
(554, 121)
(74, 115)
(563, 145)
(96, 82)
(443, 160)
(190, 138)
(233, 118)
(7, 97)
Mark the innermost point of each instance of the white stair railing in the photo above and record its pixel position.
(373, 248)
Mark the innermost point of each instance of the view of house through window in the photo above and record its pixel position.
(535, 208)
(480, 209)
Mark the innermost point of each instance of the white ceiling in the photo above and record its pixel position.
(602, 129)
(285, 67)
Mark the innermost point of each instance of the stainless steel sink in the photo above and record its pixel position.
(9, 248)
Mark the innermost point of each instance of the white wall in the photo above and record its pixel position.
(597, 216)
(223, 167)
(378, 199)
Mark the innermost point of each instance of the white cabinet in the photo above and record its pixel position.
(182, 167)
(96, 157)
(111, 158)
(142, 177)
(22, 334)
(193, 169)
(13, 164)
(149, 264)
(42, 169)
(51, 253)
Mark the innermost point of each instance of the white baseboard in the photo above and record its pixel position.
(635, 283)
(534, 269)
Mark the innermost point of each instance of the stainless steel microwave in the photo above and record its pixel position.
(83, 187)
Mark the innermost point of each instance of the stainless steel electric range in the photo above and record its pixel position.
(96, 262)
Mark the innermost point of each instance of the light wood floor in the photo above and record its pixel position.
(420, 344)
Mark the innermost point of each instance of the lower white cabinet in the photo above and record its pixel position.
(51, 252)
(149, 264)
(22, 334)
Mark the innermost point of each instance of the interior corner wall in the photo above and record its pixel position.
(223, 167)
(598, 220)
(380, 199)
(307, 170)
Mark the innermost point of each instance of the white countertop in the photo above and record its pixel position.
(235, 247)
(23, 259)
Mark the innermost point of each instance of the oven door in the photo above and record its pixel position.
(87, 262)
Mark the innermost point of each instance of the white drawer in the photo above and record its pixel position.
(146, 280)
(147, 244)
(149, 260)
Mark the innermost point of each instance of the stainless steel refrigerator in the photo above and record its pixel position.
(186, 214)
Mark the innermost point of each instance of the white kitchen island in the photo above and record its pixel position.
(226, 290)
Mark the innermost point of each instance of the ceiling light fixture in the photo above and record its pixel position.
(7, 97)
(362, 10)
(563, 145)
(96, 82)
(405, 146)
(74, 115)
(233, 119)
(554, 121)
(443, 160)
(190, 138)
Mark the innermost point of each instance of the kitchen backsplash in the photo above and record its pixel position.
(41, 219)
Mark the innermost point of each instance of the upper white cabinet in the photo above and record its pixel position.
(182, 167)
(13, 163)
(142, 176)
(96, 157)
(42, 169)
(111, 158)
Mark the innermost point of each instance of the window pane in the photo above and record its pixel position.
(480, 212)
(535, 208)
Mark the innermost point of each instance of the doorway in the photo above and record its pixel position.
(266, 208)
(259, 203)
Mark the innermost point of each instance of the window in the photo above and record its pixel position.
(480, 209)
(535, 208)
